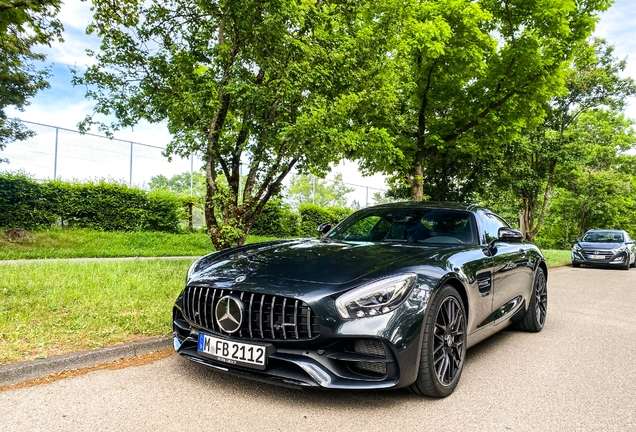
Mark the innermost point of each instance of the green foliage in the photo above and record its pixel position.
(21, 204)
(274, 82)
(277, 220)
(312, 215)
(24, 25)
(461, 79)
(27, 204)
(306, 189)
(179, 183)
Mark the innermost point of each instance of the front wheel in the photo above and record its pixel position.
(576, 265)
(534, 319)
(443, 346)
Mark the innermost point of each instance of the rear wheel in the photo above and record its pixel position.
(443, 346)
(534, 319)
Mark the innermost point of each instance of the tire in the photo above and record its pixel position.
(443, 346)
(534, 319)
(633, 265)
(576, 265)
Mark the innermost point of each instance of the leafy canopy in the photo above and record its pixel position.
(269, 84)
(24, 25)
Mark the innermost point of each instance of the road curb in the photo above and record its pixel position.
(14, 373)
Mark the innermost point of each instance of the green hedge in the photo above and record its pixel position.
(312, 215)
(277, 220)
(25, 203)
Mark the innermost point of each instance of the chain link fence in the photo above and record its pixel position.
(59, 153)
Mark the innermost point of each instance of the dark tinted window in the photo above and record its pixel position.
(408, 226)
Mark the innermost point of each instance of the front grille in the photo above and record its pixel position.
(607, 254)
(267, 317)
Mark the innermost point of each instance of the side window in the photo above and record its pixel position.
(492, 224)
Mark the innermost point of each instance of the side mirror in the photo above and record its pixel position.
(509, 235)
(630, 242)
(576, 240)
(324, 228)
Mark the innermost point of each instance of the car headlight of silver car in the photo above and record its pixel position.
(376, 298)
(619, 249)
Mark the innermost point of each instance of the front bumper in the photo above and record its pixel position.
(609, 259)
(332, 360)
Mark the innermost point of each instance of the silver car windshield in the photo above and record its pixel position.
(603, 237)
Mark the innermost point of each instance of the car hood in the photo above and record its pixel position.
(599, 246)
(313, 261)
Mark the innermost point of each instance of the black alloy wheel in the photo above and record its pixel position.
(534, 319)
(444, 345)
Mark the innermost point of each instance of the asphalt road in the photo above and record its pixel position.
(578, 374)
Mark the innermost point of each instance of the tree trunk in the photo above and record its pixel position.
(417, 183)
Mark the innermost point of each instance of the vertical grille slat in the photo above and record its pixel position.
(269, 317)
(296, 318)
(205, 307)
(199, 306)
(283, 316)
(249, 315)
(260, 316)
(213, 311)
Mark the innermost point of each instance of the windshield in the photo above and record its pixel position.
(603, 237)
(408, 226)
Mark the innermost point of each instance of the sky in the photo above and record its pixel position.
(65, 106)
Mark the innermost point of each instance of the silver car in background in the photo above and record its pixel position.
(607, 248)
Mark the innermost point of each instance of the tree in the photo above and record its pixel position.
(269, 83)
(180, 183)
(24, 25)
(544, 156)
(467, 73)
(307, 189)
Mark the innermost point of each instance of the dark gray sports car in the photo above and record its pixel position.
(391, 297)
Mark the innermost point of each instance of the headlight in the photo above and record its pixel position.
(619, 249)
(576, 247)
(376, 298)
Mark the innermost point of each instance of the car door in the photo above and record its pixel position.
(513, 274)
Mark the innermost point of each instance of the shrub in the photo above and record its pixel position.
(21, 203)
(312, 215)
(277, 220)
(25, 203)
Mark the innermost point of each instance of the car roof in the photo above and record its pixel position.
(446, 205)
(605, 230)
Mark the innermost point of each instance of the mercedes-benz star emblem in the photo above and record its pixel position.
(229, 313)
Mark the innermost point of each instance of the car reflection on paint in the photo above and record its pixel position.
(391, 297)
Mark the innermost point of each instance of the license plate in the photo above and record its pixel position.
(596, 257)
(231, 352)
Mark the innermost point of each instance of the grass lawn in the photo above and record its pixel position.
(59, 307)
(54, 308)
(59, 243)
(555, 258)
